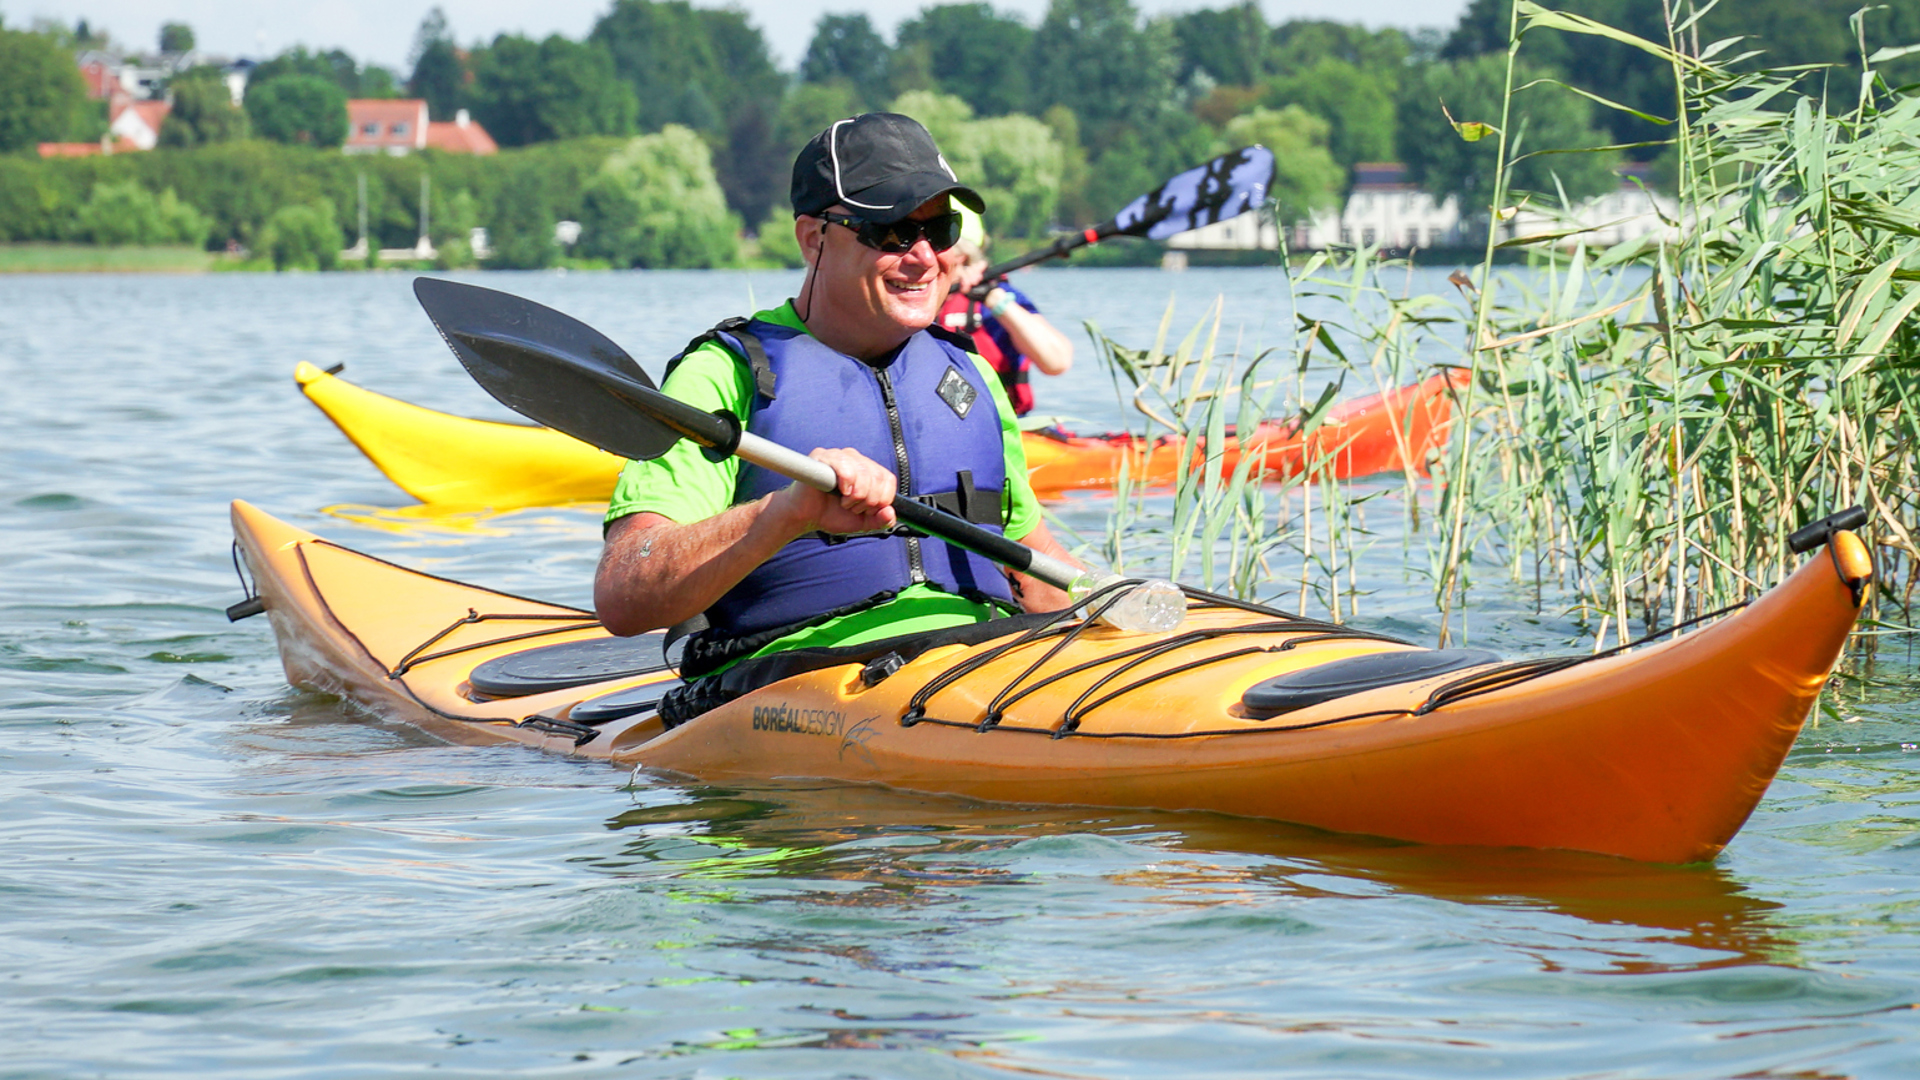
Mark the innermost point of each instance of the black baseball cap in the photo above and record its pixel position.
(880, 166)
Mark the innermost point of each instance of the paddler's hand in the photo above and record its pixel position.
(862, 504)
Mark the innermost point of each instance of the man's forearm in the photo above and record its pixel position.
(656, 572)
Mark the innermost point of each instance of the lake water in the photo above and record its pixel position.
(209, 874)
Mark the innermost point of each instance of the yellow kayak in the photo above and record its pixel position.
(460, 463)
(1656, 753)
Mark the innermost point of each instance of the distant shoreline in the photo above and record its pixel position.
(47, 258)
(39, 257)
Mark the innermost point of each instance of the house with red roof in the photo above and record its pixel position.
(399, 126)
(137, 122)
(460, 136)
(395, 126)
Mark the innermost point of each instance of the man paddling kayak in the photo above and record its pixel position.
(853, 372)
(1007, 328)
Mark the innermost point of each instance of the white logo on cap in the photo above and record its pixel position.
(947, 167)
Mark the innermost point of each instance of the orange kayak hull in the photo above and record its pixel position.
(1657, 754)
(1398, 431)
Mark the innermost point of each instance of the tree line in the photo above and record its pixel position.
(1060, 122)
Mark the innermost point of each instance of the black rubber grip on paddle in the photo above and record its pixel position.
(939, 523)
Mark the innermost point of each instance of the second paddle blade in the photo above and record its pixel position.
(1226, 187)
(545, 365)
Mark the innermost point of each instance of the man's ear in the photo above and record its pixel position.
(811, 239)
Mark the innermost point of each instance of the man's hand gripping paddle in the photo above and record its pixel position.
(559, 371)
(1226, 187)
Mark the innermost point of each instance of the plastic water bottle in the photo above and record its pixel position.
(1151, 607)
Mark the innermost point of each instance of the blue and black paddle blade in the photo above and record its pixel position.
(549, 367)
(1224, 188)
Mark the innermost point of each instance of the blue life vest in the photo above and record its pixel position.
(926, 414)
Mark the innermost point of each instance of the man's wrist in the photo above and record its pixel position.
(999, 302)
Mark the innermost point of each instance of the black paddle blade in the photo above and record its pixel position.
(548, 367)
(1226, 187)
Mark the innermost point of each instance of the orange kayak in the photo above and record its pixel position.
(1657, 753)
(456, 462)
(1392, 432)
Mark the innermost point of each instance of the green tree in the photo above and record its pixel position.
(1306, 176)
(302, 237)
(663, 51)
(777, 242)
(176, 38)
(41, 92)
(846, 48)
(525, 92)
(1227, 46)
(707, 69)
(335, 66)
(301, 109)
(124, 212)
(1116, 76)
(1303, 42)
(1611, 69)
(521, 228)
(440, 75)
(1785, 32)
(454, 218)
(1543, 118)
(1359, 109)
(656, 204)
(203, 110)
(974, 53)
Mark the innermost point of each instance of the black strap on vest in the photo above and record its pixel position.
(968, 503)
(757, 361)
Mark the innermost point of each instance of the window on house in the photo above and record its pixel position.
(1413, 238)
(399, 131)
(1433, 237)
(1346, 235)
(1367, 236)
(371, 131)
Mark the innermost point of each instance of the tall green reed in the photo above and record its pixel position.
(1647, 421)
(1656, 444)
(1223, 519)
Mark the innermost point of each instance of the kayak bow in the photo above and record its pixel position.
(1659, 753)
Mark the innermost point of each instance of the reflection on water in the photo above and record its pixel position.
(909, 849)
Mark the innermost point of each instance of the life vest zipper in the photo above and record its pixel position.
(916, 571)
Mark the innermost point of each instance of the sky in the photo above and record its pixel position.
(381, 31)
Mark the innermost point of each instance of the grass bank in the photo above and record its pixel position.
(31, 258)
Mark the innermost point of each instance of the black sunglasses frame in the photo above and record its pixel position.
(899, 237)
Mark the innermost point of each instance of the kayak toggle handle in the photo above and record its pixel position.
(1808, 537)
(246, 609)
(253, 604)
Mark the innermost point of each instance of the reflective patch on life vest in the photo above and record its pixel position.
(957, 392)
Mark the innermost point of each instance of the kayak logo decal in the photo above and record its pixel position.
(856, 737)
(786, 719)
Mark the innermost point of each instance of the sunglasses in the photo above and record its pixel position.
(940, 232)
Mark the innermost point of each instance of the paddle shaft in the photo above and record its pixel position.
(1061, 247)
(722, 435)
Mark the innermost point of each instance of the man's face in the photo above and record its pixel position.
(874, 294)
